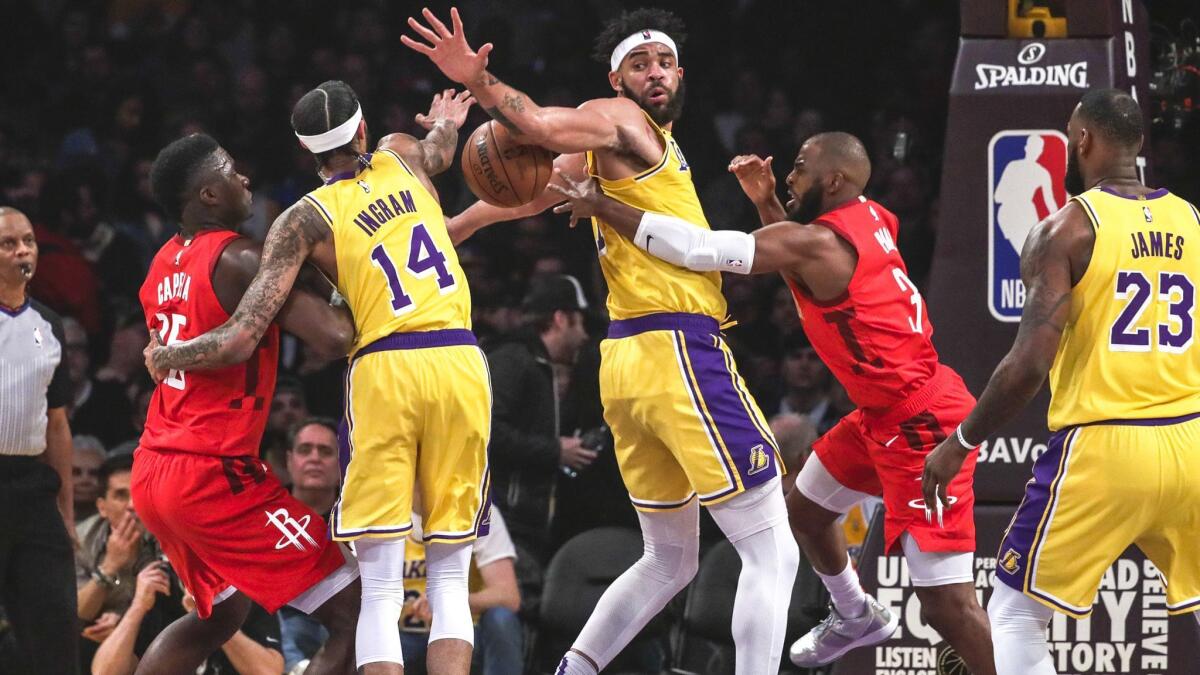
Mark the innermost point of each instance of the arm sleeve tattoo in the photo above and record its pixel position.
(289, 242)
(437, 148)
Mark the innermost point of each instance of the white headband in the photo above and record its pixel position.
(637, 40)
(335, 137)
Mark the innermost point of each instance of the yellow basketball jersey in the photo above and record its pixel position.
(1128, 349)
(397, 267)
(639, 283)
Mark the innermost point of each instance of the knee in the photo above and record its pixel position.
(805, 516)
(945, 608)
(674, 563)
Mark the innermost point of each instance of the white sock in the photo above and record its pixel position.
(574, 664)
(755, 522)
(381, 567)
(1019, 632)
(845, 591)
(670, 558)
(447, 566)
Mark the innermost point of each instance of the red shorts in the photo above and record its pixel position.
(878, 456)
(227, 523)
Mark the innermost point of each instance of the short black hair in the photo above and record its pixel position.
(327, 422)
(628, 22)
(113, 465)
(323, 108)
(175, 168)
(1115, 114)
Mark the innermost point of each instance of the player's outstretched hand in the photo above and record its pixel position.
(448, 105)
(755, 175)
(148, 354)
(583, 197)
(448, 48)
(941, 466)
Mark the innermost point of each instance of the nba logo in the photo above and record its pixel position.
(1025, 185)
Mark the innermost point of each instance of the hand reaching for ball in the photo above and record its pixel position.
(449, 105)
(448, 49)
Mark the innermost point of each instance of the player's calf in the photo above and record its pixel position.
(954, 612)
(339, 615)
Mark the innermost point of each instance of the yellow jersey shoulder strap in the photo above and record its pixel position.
(1084, 201)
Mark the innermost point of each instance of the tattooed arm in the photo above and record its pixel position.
(603, 124)
(434, 153)
(291, 239)
(1055, 256)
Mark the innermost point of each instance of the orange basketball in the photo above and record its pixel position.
(501, 171)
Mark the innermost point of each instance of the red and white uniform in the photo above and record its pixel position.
(876, 339)
(223, 520)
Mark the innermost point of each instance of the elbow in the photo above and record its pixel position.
(334, 343)
(238, 350)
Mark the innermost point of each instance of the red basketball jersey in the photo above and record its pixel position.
(876, 338)
(211, 412)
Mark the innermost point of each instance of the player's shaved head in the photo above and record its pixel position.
(840, 151)
(1113, 115)
(1104, 136)
(831, 169)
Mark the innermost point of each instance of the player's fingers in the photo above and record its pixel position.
(456, 21)
(155, 336)
(448, 94)
(928, 490)
(468, 101)
(485, 50)
(416, 46)
(943, 496)
(424, 31)
(436, 23)
(767, 161)
(587, 456)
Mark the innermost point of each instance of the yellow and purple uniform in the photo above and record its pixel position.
(682, 418)
(1120, 467)
(418, 398)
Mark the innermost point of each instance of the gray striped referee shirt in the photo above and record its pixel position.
(33, 376)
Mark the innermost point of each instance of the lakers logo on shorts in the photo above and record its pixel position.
(1010, 562)
(759, 459)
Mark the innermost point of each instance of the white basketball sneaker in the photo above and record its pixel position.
(837, 635)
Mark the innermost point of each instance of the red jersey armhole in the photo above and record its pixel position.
(212, 267)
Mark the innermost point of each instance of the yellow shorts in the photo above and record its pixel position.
(418, 415)
(682, 420)
(1097, 490)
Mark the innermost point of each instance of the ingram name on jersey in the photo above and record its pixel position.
(396, 264)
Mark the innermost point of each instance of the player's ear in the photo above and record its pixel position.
(208, 196)
(835, 181)
(614, 81)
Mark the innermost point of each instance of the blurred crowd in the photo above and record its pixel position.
(93, 90)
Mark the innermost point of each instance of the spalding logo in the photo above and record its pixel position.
(1031, 53)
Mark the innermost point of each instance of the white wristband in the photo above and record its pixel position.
(963, 441)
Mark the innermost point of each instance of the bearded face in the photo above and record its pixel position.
(662, 104)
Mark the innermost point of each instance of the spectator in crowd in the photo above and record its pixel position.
(493, 596)
(85, 472)
(530, 374)
(35, 464)
(312, 465)
(125, 366)
(795, 435)
(253, 650)
(99, 407)
(806, 383)
(113, 546)
(288, 408)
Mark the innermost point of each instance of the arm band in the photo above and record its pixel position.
(682, 243)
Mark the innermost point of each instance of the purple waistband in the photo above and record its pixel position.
(433, 338)
(1146, 422)
(692, 323)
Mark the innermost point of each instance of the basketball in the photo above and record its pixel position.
(501, 171)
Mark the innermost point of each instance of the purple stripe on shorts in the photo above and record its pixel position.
(752, 451)
(1017, 549)
(698, 398)
(420, 340)
(1147, 422)
(688, 323)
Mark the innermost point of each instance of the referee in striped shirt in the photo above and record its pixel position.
(37, 568)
